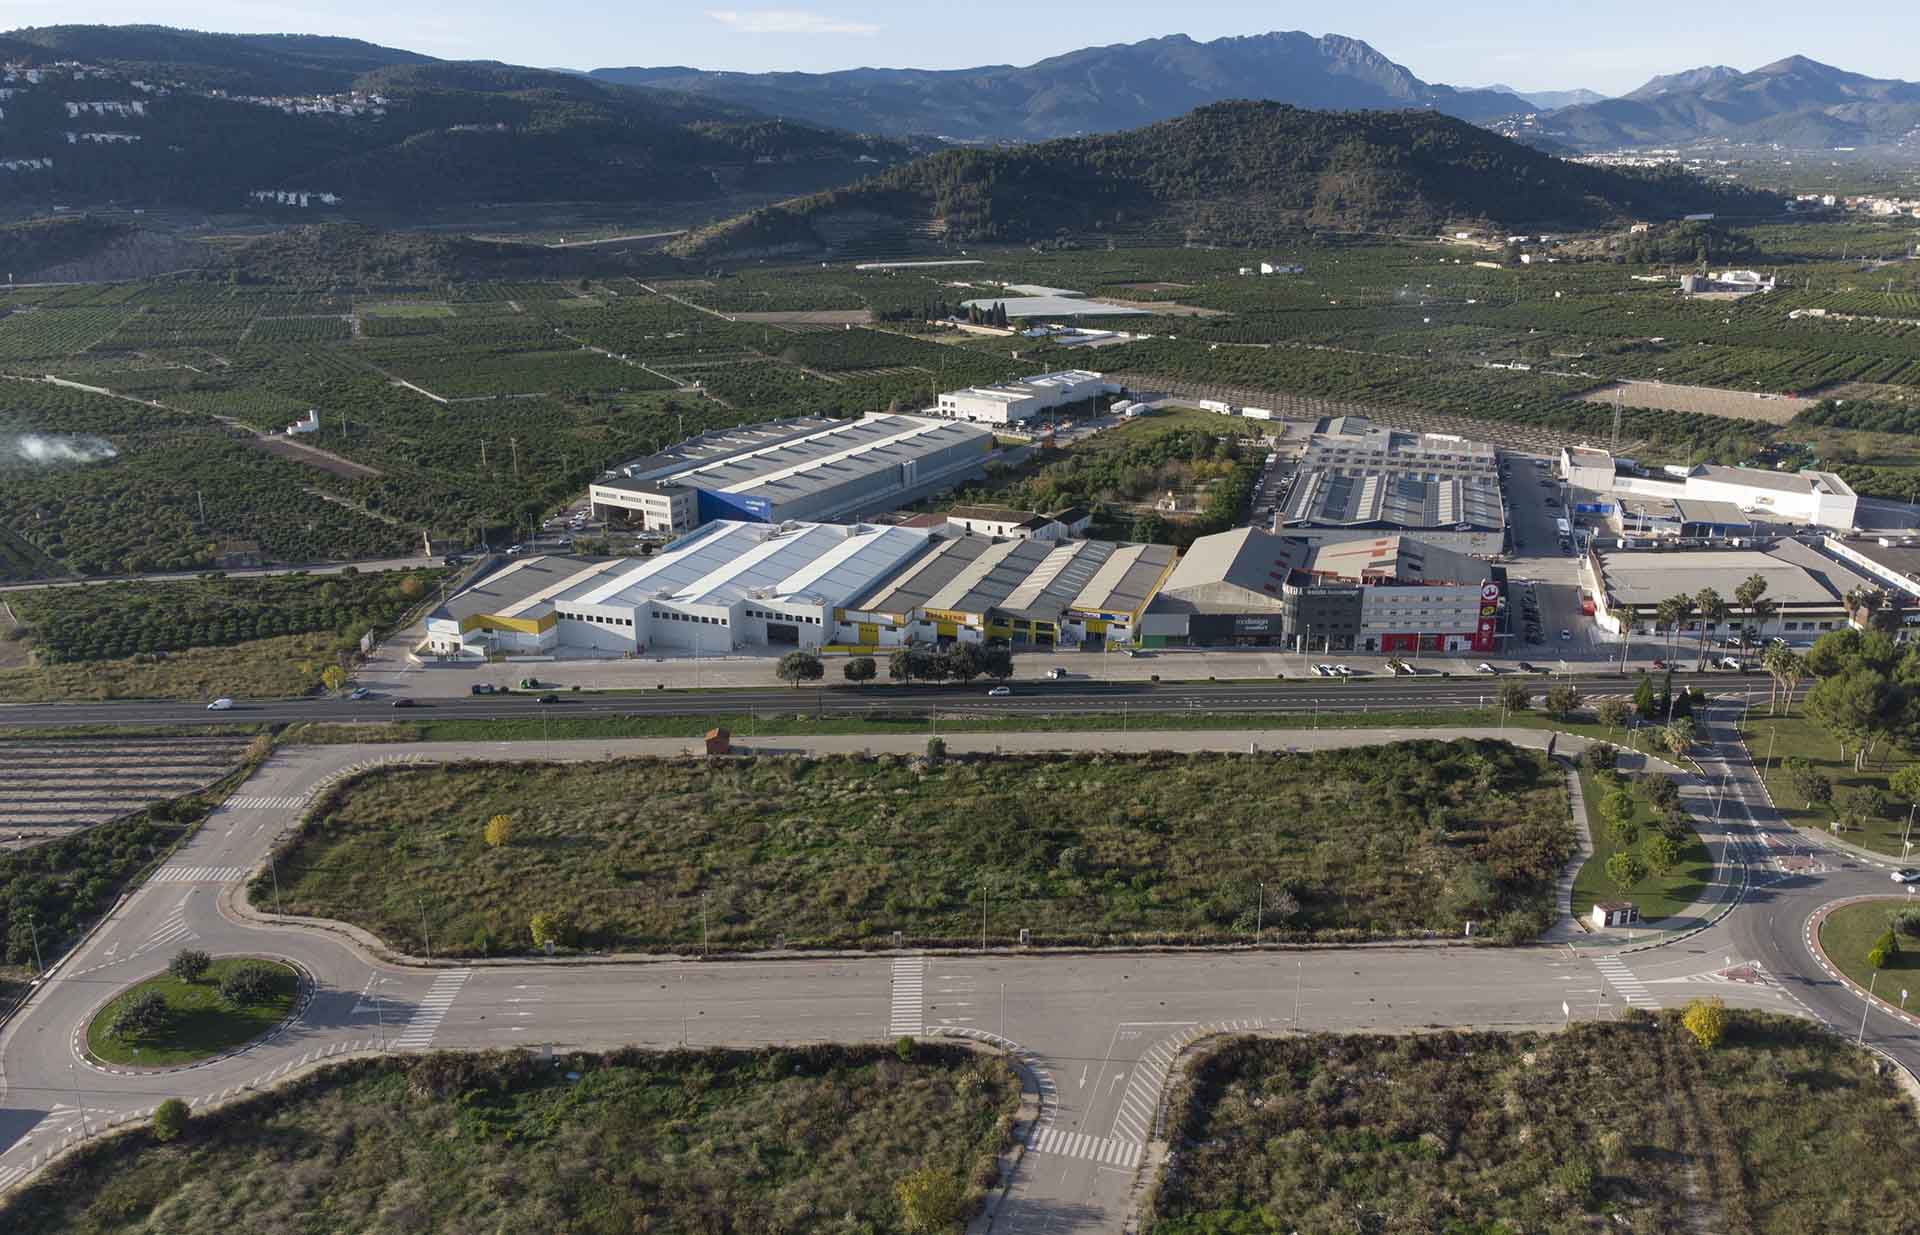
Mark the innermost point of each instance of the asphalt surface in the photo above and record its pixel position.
(1293, 695)
(1100, 1030)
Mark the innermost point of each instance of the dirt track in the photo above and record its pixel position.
(1709, 400)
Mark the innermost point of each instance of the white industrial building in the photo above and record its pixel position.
(1357, 480)
(1812, 498)
(805, 468)
(1807, 588)
(1012, 402)
(728, 586)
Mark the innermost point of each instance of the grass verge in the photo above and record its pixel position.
(1787, 736)
(1848, 934)
(808, 1139)
(1658, 896)
(199, 1023)
(1624, 1125)
(1392, 840)
(745, 726)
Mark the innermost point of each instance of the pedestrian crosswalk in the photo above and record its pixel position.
(909, 983)
(418, 1035)
(280, 803)
(1106, 1150)
(1631, 989)
(178, 872)
(9, 1175)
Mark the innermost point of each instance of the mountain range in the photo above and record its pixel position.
(140, 114)
(1228, 173)
(1093, 90)
(1548, 100)
(1795, 101)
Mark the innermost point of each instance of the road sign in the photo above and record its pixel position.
(1565, 1010)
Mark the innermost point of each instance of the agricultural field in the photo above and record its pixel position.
(277, 667)
(1623, 1125)
(75, 624)
(817, 1138)
(1397, 840)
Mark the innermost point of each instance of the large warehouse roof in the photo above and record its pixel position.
(722, 444)
(722, 562)
(1393, 499)
(1024, 578)
(1795, 575)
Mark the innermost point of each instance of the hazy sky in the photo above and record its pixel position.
(1612, 46)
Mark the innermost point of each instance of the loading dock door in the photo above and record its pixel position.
(783, 632)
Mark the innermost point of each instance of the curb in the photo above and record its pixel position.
(1810, 933)
(304, 994)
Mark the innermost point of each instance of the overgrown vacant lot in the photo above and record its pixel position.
(1394, 839)
(812, 1140)
(1625, 1125)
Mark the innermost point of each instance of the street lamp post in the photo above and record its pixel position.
(1260, 914)
(33, 928)
(1299, 976)
(74, 1072)
(1861, 1037)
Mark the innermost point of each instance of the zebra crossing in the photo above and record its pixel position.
(909, 984)
(1631, 989)
(1106, 1150)
(418, 1035)
(178, 872)
(280, 803)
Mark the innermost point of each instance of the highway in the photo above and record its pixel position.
(1100, 1030)
(1292, 695)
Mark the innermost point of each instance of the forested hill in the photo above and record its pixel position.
(150, 116)
(1236, 173)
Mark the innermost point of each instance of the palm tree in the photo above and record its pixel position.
(1793, 667)
(1863, 602)
(1671, 612)
(1627, 615)
(1751, 597)
(1773, 660)
(1678, 735)
(1713, 610)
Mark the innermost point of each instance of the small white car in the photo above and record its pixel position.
(1906, 874)
(221, 704)
(1056, 673)
(1484, 667)
(1322, 671)
(1342, 671)
(1001, 690)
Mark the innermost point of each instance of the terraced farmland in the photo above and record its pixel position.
(51, 787)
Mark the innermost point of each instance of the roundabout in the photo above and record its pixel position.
(190, 1014)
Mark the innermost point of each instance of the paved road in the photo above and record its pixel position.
(1296, 696)
(1102, 1029)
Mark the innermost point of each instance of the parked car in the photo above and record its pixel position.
(1484, 667)
(1524, 667)
(1056, 673)
(358, 692)
(1732, 662)
(1323, 671)
(1658, 663)
(482, 688)
(1342, 671)
(1906, 874)
(1000, 690)
(1566, 634)
(221, 704)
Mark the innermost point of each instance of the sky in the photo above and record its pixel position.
(1611, 47)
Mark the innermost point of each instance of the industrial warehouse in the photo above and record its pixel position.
(804, 468)
(1390, 594)
(730, 585)
(737, 586)
(1358, 480)
(1012, 402)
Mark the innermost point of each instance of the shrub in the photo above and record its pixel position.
(499, 831)
(1562, 701)
(1662, 791)
(1602, 758)
(860, 669)
(1575, 1178)
(1623, 831)
(1613, 712)
(1515, 697)
(1906, 921)
(936, 749)
(142, 1014)
(247, 984)
(1661, 854)
(903, 1048)
(189, 964)
(798, 667)
(1624, 870)
(1885, 950)
(170, 1120)
(550, 928)
(931, 1200)
(1706, 1020)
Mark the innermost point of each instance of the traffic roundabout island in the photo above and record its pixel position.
(191, 1013)
(1854, 938)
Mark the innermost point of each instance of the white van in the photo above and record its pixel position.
(221, 704)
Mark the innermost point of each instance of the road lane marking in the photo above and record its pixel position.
(419, 1031)
(177, 872)
(907, 1016)
(1621, 979)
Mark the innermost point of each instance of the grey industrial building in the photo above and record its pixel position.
(804, 469)
(1358, 480)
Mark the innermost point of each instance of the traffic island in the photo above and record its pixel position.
(1851, 934)
(169, 1021)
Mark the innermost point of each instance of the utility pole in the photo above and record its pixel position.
(34, 928)
(483, 454)
(274, 866)
(1260, 914)
(425, 938)
(514, 444)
